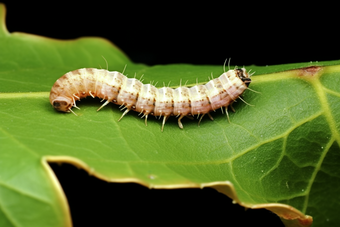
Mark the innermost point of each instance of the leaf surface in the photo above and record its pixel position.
(280, 152)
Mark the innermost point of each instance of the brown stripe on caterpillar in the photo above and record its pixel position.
(146, 99)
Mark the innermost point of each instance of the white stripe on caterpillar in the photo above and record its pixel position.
(146, 99)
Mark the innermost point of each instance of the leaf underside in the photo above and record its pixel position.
(280, 152)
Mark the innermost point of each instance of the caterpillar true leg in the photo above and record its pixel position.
(107, 102)
(180, 125)
(125, 112)
(164, 120)
(211, 118)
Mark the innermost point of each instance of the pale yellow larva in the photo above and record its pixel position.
(146, 99)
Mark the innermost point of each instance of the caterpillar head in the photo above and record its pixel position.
(243, 75)
(62, 104)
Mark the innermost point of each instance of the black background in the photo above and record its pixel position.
(196, 33)
(168, 33)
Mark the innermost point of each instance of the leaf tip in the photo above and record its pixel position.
(3, 28)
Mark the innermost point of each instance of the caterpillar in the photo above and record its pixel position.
(146, 99)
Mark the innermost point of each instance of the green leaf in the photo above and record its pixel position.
(280, 152)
